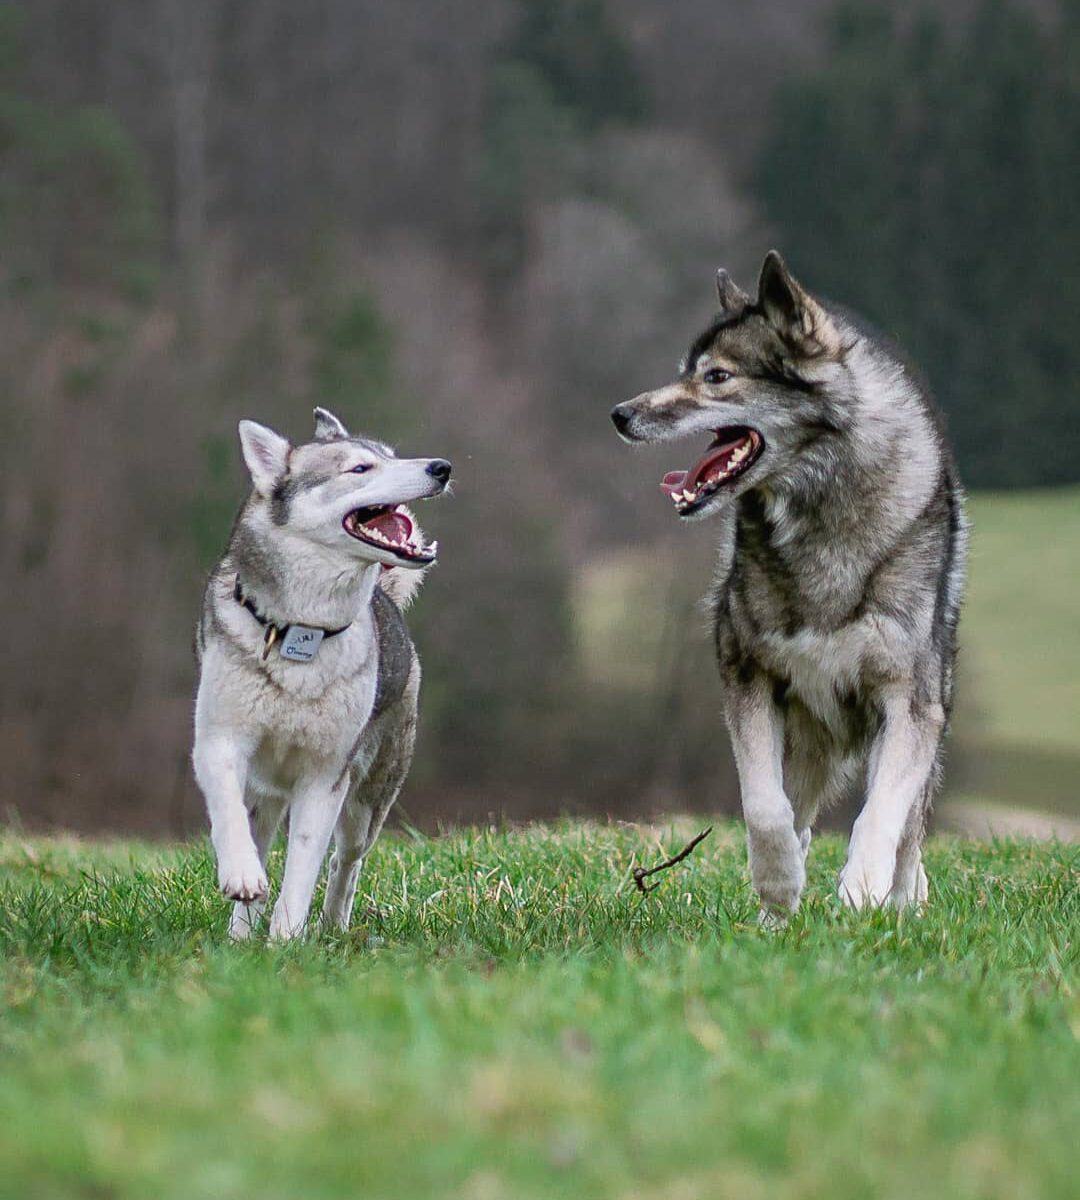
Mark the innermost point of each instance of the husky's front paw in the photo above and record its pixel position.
(244, 881)
(860, 886)
(778, 869)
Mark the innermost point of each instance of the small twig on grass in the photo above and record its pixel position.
(641, 873)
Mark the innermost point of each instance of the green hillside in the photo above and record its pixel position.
(1017, 732)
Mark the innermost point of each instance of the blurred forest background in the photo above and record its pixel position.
(470, 227)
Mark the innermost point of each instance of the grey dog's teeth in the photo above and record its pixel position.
(685, 498)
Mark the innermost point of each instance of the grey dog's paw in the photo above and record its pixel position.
(862, 886)
(773, 920)
(246, 883)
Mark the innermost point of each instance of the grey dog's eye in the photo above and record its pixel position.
(716, 375)
(359, 469)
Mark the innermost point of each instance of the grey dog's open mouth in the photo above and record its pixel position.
(386, 527)
(732, 452)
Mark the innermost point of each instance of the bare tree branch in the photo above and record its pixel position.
(641, 873)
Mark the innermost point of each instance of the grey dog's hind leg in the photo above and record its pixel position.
(265, 817)
(817, 772)
(910, 885)
(370, 799)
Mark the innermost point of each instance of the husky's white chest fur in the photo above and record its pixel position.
(297, 717)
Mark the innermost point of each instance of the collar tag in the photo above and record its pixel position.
(301, 643)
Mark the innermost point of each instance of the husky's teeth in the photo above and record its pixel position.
(688, 496)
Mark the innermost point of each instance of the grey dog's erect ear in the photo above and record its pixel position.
(266, 454)
(731, 296)
(792, 311)
(327, 427)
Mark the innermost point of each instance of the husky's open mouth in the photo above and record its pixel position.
(386, 527)
(734, 449)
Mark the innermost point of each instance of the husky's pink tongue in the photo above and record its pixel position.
(704, 470)
(393, 525)
(673, 482)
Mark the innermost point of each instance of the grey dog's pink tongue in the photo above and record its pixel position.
(673, 482)
(393, 525)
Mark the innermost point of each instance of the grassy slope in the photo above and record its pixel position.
(1021, 627)
(516, 1021)
(1018, 701)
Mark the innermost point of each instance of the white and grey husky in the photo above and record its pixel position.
(308, 679)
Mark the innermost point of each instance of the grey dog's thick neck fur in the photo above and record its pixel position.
(864, 525)
(864, 478)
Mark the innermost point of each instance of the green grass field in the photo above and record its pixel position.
(511, 1019)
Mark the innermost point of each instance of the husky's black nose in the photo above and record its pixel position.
(440, 468)
(621, 418)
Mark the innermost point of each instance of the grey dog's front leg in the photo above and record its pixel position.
(776, 854)
(264, 817)
(221, 764)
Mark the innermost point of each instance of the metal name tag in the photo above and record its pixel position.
(301, 643)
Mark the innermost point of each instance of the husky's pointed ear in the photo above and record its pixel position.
(793, 312)
(266, 454)
(327, 427)
(732, 297)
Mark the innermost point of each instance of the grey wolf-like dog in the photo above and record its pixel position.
(308, 679)
(838, 587)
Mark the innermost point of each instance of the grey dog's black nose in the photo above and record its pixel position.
(440, 468)
(621, 418)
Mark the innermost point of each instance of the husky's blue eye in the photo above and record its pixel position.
(359, 469)
(716, 375)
